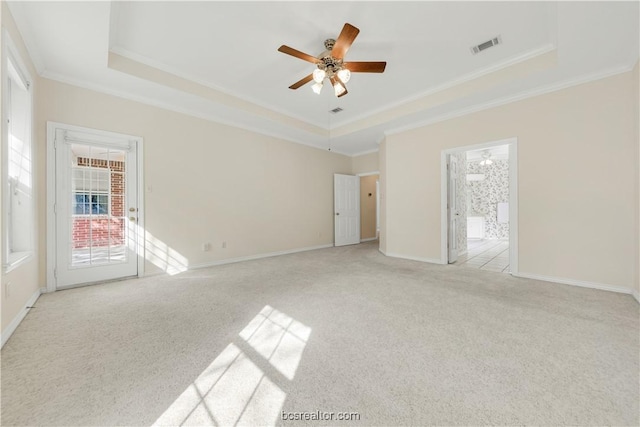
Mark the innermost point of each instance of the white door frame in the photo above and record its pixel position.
(452, 211)
(51, 196)
(513, 198)
(356, 179)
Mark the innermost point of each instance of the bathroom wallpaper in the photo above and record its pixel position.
(485, 195)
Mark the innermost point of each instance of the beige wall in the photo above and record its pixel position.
(365, 163)
(23, 280)
(382, 158)
(368, 206)
(577, 159)
(207, 182)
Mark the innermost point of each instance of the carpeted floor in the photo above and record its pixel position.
(390, 342)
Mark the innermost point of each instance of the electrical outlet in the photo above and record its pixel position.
(206, 247)
(224, 245)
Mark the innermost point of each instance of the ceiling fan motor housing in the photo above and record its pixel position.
(330, 64)
(329, 43)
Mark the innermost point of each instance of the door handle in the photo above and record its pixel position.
(132, 209)
(337, 213)
(132, 218)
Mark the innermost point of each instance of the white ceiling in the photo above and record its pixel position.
(232, 48)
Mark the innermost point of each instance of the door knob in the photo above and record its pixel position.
(132, 209)
(132, 218)
(337, 213)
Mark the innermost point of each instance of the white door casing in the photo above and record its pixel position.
(346, 192)
(513, 198)
(452, 210)
(96, 206)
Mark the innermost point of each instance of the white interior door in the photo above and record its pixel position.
(346, 194)
(96, 207)
(453, 213)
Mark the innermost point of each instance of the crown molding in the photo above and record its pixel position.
(586, 78)
(178, 73)
(453, 83)
(365, 152)
(171, 107)
(447, 85)
(392, 131)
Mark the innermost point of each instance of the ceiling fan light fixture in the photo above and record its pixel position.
(330, 64)
(317, 88)
(486, 158)
(338, 88)
(344, 75)
(319, 75)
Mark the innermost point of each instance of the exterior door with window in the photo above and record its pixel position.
(96, 207)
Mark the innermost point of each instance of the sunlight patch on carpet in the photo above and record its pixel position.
(156, 251)
(278, 338)
(233, 390)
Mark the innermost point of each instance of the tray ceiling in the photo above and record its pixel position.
(219, 60)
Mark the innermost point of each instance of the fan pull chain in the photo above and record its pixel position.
(329, 121)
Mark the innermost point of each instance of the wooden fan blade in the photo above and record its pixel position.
(345, 91)
(302, 82)
(365, 67)
(293, 52)
(343, 43)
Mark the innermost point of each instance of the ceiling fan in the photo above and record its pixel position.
(486, 158)
(330, 63)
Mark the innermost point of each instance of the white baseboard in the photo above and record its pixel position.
(636, 295)
(413, 258)
(573, 282)
(258, 256)
(462, 253)
(9, 330)
(369, 239)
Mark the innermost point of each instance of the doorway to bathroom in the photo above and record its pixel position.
(479, 206)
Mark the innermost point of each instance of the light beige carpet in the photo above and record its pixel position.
(342, 329)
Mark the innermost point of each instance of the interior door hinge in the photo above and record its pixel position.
(55, 273)
(55, 208)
